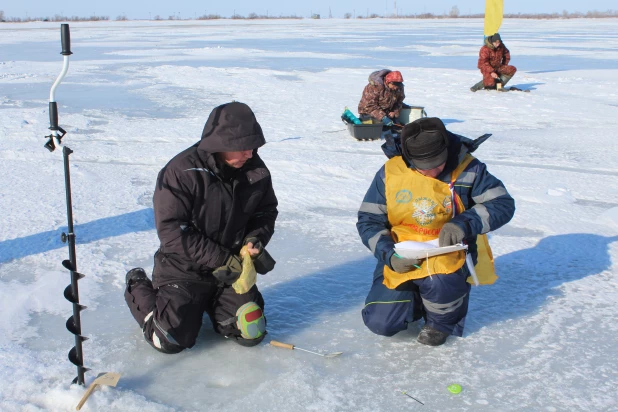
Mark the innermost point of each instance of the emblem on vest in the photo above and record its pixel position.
(423, 210)
(448, 205)
(403, 196)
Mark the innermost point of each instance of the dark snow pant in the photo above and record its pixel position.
(171, 316)
(506, 70)
(441, 299)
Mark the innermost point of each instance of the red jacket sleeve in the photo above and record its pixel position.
(483, 63)
(506, 56)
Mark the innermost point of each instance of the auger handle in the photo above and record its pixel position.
(65, 37)
(281, 344)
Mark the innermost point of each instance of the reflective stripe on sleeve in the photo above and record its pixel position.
(373, 208)
(466, 178)
(490, 194)
(373, 242)
(482, 212)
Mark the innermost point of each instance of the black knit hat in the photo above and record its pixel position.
(424, 143)
(495, 37)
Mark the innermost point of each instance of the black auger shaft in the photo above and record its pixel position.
(71, 293)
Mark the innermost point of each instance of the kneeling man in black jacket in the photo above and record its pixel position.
(210, 201)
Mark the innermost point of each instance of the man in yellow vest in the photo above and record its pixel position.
(432, 189)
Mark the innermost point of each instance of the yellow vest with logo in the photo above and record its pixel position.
(417, 207)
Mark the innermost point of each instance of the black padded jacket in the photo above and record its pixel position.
(204, 209)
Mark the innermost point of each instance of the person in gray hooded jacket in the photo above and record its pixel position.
(210, 200)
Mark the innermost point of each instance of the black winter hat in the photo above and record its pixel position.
(424, 143)
(495, 37)
(231, 127)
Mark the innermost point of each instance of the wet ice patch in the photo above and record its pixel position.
(19, 299)
(554, 195)
(288, 77)
(561, 193)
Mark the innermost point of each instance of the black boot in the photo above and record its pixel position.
(478, 86)
(504, 79)
(432, 337)
(136, 275)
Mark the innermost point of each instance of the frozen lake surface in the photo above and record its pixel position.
(543, 338)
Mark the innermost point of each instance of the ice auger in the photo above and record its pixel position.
(71, 293)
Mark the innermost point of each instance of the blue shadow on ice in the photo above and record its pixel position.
(526, 86)
(139, 221)
(546, 71)
(529, 277)
(302, 302)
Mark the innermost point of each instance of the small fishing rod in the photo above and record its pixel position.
(71, 293)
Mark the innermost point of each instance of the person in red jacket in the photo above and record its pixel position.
(493, 62)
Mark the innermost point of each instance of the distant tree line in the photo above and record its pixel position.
(453, 13)
(250, 16)
(54, 18)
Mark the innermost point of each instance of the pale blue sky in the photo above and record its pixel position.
(189, 9)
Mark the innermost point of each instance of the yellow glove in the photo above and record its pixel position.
(248, 277)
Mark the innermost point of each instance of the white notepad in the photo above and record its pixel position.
(421, 250)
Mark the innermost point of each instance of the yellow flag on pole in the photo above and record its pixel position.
(494, 10)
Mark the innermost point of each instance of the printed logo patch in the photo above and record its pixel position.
(448, 205)
(403, 196)
(423, 211)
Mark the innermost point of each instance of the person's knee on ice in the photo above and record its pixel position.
(176, 318)
(163, 345)
(158, 338)
(389, 311)
(247, 327)
(386, 313)
(251, 323)
(376, 318)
